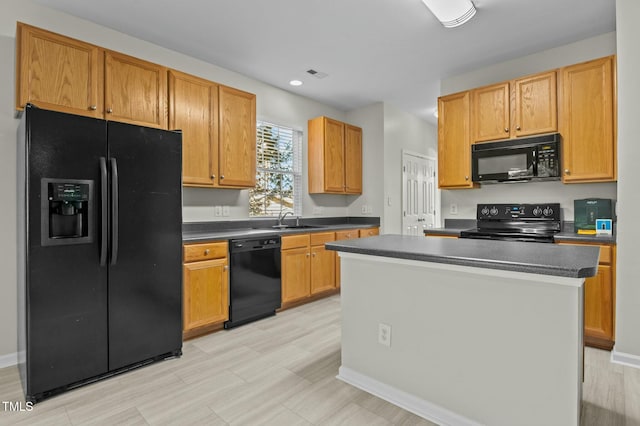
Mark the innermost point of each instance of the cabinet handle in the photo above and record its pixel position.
(506, 130)
(213, 176)
(567, 172)
(206, 252)
(517, 127)
(109, 111)
(93, 107)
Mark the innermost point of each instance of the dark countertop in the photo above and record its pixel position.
(453, 227)
(544, 259)
(216, 231)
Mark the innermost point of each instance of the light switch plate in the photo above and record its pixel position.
(217, 211)
(225, 210)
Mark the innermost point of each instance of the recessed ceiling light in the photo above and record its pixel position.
(295, 83)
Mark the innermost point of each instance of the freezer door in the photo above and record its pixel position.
(145, 266)
(64, 288)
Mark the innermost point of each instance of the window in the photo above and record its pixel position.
(278, 171)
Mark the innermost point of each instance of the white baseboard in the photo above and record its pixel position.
(8, 360)
(629, 360)
(417, 406)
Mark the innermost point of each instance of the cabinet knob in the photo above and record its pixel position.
(314, 255)
(517, 127)
(226, 267)
(506, 130)
(307, 254)
(466, 178)
(109, 110)
(567, 172)
(213, 176)
(348, 235)
(221, 176)
(93, 107)
(206, 252)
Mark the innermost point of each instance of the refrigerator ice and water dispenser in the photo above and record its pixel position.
(67, 212)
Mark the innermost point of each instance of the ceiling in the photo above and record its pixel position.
(391, 51)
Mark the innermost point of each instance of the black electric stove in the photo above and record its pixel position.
(516, 222)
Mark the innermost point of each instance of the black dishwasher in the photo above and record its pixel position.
(254, 283)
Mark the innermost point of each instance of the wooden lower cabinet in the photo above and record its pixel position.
(205, 287)
(308, 269)
(599, 301)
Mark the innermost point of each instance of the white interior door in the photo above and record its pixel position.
(418, 193)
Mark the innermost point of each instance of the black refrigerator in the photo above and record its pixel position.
(99, 249)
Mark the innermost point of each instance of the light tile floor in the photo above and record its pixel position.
(278, 371)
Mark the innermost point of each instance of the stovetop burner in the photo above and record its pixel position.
(516, 222)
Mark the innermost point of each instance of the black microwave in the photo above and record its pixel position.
(529, 159)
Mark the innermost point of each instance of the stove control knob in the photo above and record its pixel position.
(493, 211)
(537, 211)
(547, 211)
(485, 211)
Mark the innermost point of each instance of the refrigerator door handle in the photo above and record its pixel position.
(114, 211)
(104, 211)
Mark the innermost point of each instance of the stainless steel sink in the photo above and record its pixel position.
(296, 226)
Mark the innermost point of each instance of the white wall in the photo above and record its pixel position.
(628, 267)
(371, 119)
(273, 104)
(466, 200)
(402, 131)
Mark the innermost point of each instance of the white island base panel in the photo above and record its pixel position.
(468, 345)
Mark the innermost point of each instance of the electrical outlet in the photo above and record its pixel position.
(317, 210)
(217, 211)
(453, 208)
(369, 210)
(225, 210)
(384, 334)
(364, 209)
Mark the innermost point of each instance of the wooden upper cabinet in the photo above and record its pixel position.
(353, 159)
(454, 145)
(135, 91)
(57, 72)
(237, 138)
(587, 124)
(522, 107)
(490, 106)
(535, 107)
(335, 157)
(193, 104)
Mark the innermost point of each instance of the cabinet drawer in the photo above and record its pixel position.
(205, 251)
(322, 237)
(347, 235)
(369, 232)
(293, 241)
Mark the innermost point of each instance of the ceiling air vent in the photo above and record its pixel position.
(317, 74)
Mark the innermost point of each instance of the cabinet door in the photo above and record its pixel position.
(206, 293)
(58, 73)
(535, 105)
(192, 109)
(598, 304)
(454, 147)
(237, 138)
(588, 121)
(323, 267)
(490, 112)
(295, 274)
(353, 159)
(334, 156)
(135, 91)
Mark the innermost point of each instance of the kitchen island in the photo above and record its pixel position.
(466, 332)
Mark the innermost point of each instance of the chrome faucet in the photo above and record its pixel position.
(282, 216)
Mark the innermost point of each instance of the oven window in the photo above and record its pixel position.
(507, 164)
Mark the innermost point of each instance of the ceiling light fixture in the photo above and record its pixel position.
(295, 83)
(451, 13)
